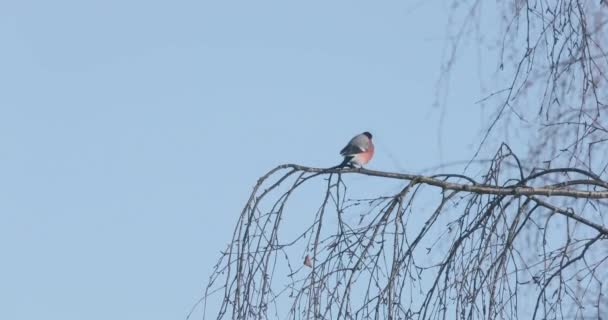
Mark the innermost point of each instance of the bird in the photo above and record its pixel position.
(307, 261)
(358, 151)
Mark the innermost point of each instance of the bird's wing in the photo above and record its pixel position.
(358, 144)
(351, 149)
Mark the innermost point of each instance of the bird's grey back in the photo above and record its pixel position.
(357, 144)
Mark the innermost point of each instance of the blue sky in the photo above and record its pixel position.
(131, 132)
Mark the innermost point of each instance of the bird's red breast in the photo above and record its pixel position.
(365, 156)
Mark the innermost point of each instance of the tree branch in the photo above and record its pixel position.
(512, 190)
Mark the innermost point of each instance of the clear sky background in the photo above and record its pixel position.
(131, 132)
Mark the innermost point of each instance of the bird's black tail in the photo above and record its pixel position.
(345, 163)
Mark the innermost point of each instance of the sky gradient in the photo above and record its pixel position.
(131, 133)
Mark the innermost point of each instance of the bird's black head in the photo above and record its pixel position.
(367, 134)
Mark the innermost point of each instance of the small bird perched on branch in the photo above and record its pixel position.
(307, 261)
(358, 151)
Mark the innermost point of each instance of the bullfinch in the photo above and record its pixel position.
(358, 151)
